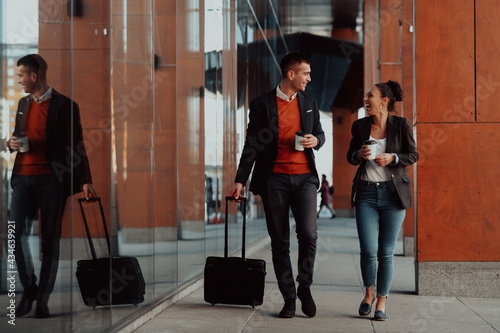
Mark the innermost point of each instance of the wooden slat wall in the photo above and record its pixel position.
(407, 84)
(457, 193)
(371, 43)
(487, 60)
(456, 130)
(445, 60)
(390, 41)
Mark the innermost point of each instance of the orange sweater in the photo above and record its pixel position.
(289, 160)
(34, 162)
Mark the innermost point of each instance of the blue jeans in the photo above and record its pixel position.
(379, 216)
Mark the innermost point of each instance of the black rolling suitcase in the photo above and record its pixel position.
(234, 280)
(108, 280)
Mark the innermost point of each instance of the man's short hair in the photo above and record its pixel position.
(290, 60)
(34, 63)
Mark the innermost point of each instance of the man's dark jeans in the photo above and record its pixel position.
(297, 192)
(31, 193)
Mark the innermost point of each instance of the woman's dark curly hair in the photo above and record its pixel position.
(391, 90)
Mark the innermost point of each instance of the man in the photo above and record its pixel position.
(285, 177)
(51, 164)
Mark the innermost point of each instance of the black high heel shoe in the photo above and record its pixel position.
(365, 308)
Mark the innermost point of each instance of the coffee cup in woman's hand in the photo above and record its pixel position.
(372, 146)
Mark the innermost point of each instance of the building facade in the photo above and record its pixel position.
(164, 88)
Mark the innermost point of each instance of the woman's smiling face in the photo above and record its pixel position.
(373, 101)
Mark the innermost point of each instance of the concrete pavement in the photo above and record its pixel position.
(338, 292)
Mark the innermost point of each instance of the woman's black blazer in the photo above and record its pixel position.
(400, 141)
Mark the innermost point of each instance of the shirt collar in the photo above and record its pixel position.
(45, 97)
(282, 95)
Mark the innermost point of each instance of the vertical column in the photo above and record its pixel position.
(229, 93)
(371, 43)
(132, 88)
(457, 84)
(165, 135)
(407, 112)
(343, 172)
(342, 118)
(391, 49)
(190, 115)
(390, 41)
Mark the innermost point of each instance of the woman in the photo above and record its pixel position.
(326, 197)
(381, 189)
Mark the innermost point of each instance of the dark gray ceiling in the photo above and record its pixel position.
(319, 17)
(316, 17)
(271, 28)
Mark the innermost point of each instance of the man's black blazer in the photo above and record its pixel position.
(64, 146)
(400, 141)
(261, 144)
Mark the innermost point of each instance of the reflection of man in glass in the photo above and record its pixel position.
(285, 177)
(51, 164)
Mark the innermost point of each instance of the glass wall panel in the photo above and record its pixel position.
(163, 90)
(165, 148)
(133, 139)
(214, 135)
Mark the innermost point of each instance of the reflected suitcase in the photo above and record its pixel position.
(108, 280)
(234, 280)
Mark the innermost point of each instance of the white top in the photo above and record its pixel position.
(43, 98)
(283, 96)
(375, 173)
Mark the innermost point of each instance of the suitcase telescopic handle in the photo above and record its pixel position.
(226, 228)
(89, 237)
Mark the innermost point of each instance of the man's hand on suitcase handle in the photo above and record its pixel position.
(236, 191)
(89, 200)
(89, 191)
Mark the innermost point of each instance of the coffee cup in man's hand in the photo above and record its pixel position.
(299, 135)
(25, 146)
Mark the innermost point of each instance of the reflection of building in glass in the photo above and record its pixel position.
(12, 92)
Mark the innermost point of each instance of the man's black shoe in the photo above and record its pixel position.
(308, 305)
(26, 303)
(288, 310)
(42, 310)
